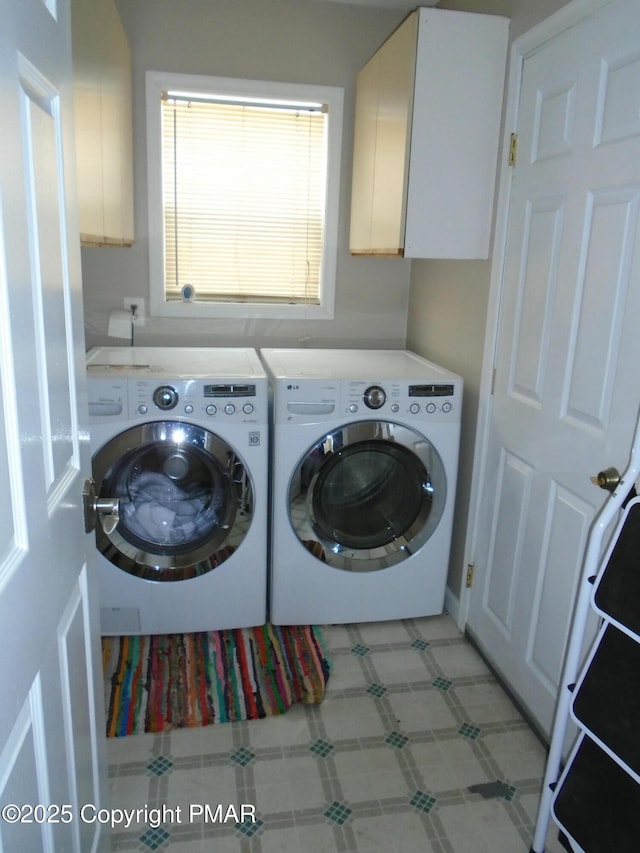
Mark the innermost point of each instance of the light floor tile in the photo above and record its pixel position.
(379, 633)
(352, 717)
(422, 710)
(459, 660)
(400, 666)
(391, 832)
(347, 672)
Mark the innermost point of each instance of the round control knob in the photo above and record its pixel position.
(395, 408)
(431, 407)
(247, 408)
(446, 407)
(188, 409)
(165, 397)
(374, 397)
(353, 408)
(211, 409)
(229, 409)
(142, 409)
(414, 408)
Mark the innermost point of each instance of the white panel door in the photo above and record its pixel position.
(51, 727)
(567, 388)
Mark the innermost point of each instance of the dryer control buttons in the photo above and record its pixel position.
(142, 409)
(353, 408)
(188, 409)
(414, 408)
(431, 407)
(247, 408)
(374, 397)
(229, 409)
(395, 408)
(446, 407)
(211, 409)
(165, 397)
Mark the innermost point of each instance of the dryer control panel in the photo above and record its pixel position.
(424, 401)
(316, 400)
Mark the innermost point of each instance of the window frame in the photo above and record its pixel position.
(159, 81)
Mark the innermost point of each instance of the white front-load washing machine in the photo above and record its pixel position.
(365, 460)
(179, 440)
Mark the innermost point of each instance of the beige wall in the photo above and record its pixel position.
(288, 40)
(448, 305)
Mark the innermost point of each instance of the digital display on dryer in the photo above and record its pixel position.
(431, 390)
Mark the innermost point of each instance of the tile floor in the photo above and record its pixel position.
(411, 721)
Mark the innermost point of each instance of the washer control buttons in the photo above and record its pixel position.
(247, 408)
(431, 407)
(395, 408)
(211, 409)
(229, 409)
(353, 408)
(446, 407)
(374, 397)
(188, 409)
(165, 397)
(142, 409)
(414, 408)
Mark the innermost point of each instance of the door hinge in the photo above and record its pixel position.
(513, 149)
(470, 570)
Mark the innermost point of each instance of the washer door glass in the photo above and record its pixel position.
(367, 496)
(184, 500)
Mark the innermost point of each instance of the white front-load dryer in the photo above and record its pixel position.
(365, 460)
(179, 440)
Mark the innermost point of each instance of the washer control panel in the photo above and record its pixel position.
(202, 400)
(147, 399)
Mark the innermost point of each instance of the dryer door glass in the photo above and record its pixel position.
(184, 500)
(368, 496)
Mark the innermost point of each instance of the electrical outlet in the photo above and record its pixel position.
(138, 301)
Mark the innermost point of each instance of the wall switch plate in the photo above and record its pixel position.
(138, 301)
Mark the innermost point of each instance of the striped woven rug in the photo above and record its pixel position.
(157, 683)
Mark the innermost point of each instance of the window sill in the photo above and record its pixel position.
(220, 310)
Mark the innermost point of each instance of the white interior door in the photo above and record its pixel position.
(51, 726)
(566, 390)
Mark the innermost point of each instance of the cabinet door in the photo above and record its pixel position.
(384, 103)
(396, 63)
(364, 159)
(103, 123)
(117, 130)
(455, 134)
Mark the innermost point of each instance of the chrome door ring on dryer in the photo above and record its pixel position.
(367, 495)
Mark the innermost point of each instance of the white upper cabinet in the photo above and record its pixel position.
(103, 123)
(427, 125)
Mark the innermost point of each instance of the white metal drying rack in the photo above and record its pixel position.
(592, 559)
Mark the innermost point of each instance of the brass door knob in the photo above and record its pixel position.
(608, 479)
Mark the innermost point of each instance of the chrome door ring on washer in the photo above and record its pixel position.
(185, 500)
(367, 495)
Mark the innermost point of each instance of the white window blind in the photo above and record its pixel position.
(244, 197)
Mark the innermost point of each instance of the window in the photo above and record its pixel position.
(243, 197)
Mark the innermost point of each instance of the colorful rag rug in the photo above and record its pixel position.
(157, 683)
